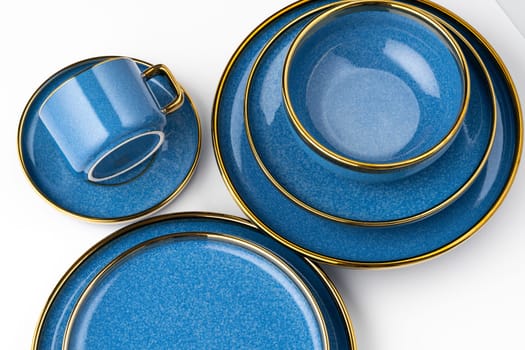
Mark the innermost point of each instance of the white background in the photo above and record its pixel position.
(470, 298)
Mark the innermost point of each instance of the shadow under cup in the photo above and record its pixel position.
(105, 120)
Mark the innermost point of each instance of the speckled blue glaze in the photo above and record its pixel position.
(342, 192)
(343, 243)
(376, 84)
(130, 194)
(238, 312)
(194, 293)
(100, 108)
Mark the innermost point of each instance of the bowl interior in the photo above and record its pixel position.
(375, 84)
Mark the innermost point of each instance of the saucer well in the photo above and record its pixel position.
(338, 192)
(138, 192)
(193, 280)
(339, 243)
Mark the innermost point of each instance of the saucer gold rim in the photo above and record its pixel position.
(354, 163)
(122, 219)
(434, 209)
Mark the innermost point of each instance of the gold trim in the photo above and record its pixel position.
(345, 220)
(240, 242)
(359, 264)
(339, 300)
(151, 210)
(179, 91)
(186, 215)
(354, 163)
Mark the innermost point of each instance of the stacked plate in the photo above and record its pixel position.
(367, 133)
(193, 281)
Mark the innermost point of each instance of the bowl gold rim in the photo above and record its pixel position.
(370, 166)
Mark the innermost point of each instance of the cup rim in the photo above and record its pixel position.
(363, 165)
(99, 159)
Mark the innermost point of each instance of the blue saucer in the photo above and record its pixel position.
(339, 243)
(193, 281)
(138, 192)
(338, 192)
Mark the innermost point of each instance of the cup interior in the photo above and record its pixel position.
(125, 156)
(374, 85)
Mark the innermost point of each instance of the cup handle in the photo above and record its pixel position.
(179, 99)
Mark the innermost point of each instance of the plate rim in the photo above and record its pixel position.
(227, 218)
(360, 264)
(255, 248)
(89, 218)
(442, 204)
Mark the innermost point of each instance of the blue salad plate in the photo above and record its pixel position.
(338, 192)
(194, 281)
(140, 191)
(335, 242)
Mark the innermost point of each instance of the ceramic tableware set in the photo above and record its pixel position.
(359, 133)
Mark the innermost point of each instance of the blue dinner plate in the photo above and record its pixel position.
(138, 192)
(339, 243)
(194, 281)
(337, 192)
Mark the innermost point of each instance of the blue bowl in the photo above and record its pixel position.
(376, 85)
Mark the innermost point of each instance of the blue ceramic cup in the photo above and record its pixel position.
(379, 86)
(106, 120)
